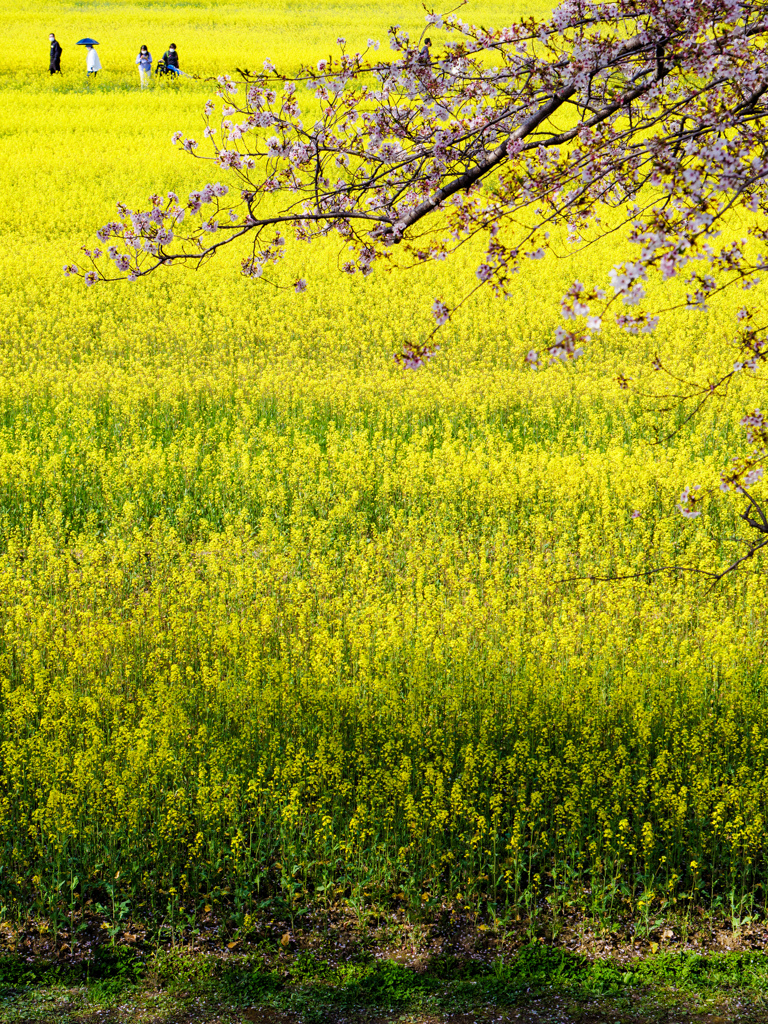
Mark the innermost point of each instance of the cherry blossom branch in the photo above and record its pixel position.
(506, 139)
(715, 577)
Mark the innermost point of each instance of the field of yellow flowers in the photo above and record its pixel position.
(281, 620)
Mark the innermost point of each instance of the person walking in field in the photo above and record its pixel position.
(92, 62)
(171, 59)
(144, 61)
(55, 65)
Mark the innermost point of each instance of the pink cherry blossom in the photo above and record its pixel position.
(641, 121)
(440, 312)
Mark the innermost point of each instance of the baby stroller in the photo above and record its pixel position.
(164, 70)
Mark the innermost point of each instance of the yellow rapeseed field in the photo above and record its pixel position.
(280, 619)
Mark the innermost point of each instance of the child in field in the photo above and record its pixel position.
(92, 62)
(144, 61)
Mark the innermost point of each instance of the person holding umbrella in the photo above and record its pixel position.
(92, 62)
(55, 54)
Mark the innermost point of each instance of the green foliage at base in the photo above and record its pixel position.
(318, 989)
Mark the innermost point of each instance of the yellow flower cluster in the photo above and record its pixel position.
(277, 613)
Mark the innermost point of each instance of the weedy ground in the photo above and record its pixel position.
(343, 976)
(284, 627)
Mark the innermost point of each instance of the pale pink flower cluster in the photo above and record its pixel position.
(688, 501)
(440, 312)
(413, 357)
(756, 427)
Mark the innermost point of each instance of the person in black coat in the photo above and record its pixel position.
(171, 58)
(55, 54)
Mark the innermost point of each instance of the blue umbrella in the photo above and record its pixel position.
(87, 42)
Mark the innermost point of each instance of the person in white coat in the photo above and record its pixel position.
(92, 62)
